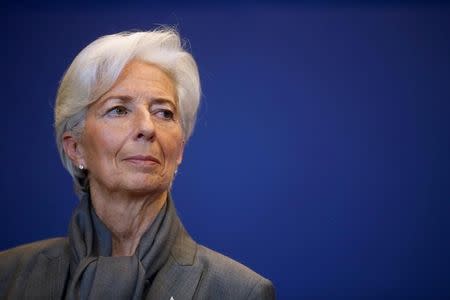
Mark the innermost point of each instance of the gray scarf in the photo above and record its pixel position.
(96, 275)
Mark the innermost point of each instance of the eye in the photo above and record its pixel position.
(165, 114)
(118, 111)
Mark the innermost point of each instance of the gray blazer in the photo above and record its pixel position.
(40, 270)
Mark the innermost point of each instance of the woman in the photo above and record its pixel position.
(124, 112)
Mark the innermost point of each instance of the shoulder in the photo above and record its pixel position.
(51, 248)
(16, 261)
(226, 278)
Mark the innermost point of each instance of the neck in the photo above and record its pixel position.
(126, 216)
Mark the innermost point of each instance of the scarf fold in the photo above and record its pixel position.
(95, 274)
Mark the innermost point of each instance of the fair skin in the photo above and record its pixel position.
(131, 145)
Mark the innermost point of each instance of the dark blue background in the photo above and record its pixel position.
(321, 153)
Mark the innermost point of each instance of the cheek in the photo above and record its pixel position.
(102, 145)
(173, 148)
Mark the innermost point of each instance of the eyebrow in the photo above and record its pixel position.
(124, 98)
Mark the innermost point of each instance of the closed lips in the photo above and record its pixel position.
(143, 158)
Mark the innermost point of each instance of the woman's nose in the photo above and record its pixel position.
(145, 129)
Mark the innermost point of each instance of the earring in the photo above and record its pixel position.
(81, 167)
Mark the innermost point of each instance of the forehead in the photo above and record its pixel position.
(142, 79)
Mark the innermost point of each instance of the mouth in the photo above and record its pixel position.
(142, 160)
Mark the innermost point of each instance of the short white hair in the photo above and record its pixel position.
(96, 68)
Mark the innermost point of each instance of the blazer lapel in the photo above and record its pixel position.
(47, 281)
(175, 282)
(179, 277)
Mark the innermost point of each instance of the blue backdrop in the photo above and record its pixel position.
(321, 153)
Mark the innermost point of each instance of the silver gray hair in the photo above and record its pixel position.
(96, 68)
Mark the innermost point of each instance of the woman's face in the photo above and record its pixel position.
(132, 139)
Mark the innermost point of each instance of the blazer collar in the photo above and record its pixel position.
(184, 248)
(179, 277)
(51, 272)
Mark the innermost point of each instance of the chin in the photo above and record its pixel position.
(146, 187)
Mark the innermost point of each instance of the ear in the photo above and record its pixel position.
(73, 149)
(180, 155)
